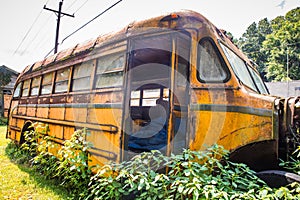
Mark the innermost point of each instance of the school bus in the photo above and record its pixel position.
(166, 83)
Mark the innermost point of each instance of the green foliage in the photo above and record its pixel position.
(137, 177)
(251, 43)
(191, 175)
(294, 162)
(15, 153)
(67, 164)
(72, 168)
(3, 121)
(19, 181)
(283, 48)
(274, 45)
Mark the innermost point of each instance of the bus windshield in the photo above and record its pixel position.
(244, 73)
(258, 81)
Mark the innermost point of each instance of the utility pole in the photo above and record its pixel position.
(59, 14)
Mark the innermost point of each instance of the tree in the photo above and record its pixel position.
(251, 43)
(5, 76)
(282, 47)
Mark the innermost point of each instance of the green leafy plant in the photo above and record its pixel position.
(294, 162)
(72, 169)
(151, 175)
(191, 175)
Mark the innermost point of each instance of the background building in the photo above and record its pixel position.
(284, 89)
(6, 90)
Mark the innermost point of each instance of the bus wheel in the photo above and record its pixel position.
(277, 178)
(27, 127)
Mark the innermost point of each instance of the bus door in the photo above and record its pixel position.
(179, 94)
(152, 112)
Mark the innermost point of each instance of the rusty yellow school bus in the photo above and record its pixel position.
(167, 83)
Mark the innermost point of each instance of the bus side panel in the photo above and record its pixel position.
(106, 143)
(229, 129)
(57, 113)
(31, 111)
(230, 118)
(76, 114)
(56, 131)
(42, 112)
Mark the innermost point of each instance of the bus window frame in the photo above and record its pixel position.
(32, 86)
(262, 88)
(28, 88)
(219, 56)
(48, 83)
(110, 72)
(91, 64)
(56, 82)
(20, 86)
(256, 88)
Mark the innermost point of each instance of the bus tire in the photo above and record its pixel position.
(277, 178)
(27, 127)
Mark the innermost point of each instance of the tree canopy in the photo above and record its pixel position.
(275, 46)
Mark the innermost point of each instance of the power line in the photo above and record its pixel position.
(81, 6)
(81, 27)
(28, 31)
(36, 35)
(90, 21)
(71, 4)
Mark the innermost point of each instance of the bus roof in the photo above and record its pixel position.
(184, 20)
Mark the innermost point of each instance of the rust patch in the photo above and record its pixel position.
(85, 47)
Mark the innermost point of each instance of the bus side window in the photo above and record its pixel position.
(110, 70)
(82, 76)
(62, 80)
(47, 83)
(25, 90)
(17, 91)
(35, 86)
(210, 67)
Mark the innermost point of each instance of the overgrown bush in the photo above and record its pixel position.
(294, 162)
(72, 168)
(3, 121)
(67, 163)
(190, 175)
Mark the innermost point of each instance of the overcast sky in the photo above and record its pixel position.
(28, 31)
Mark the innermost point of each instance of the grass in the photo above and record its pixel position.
(21, 182)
